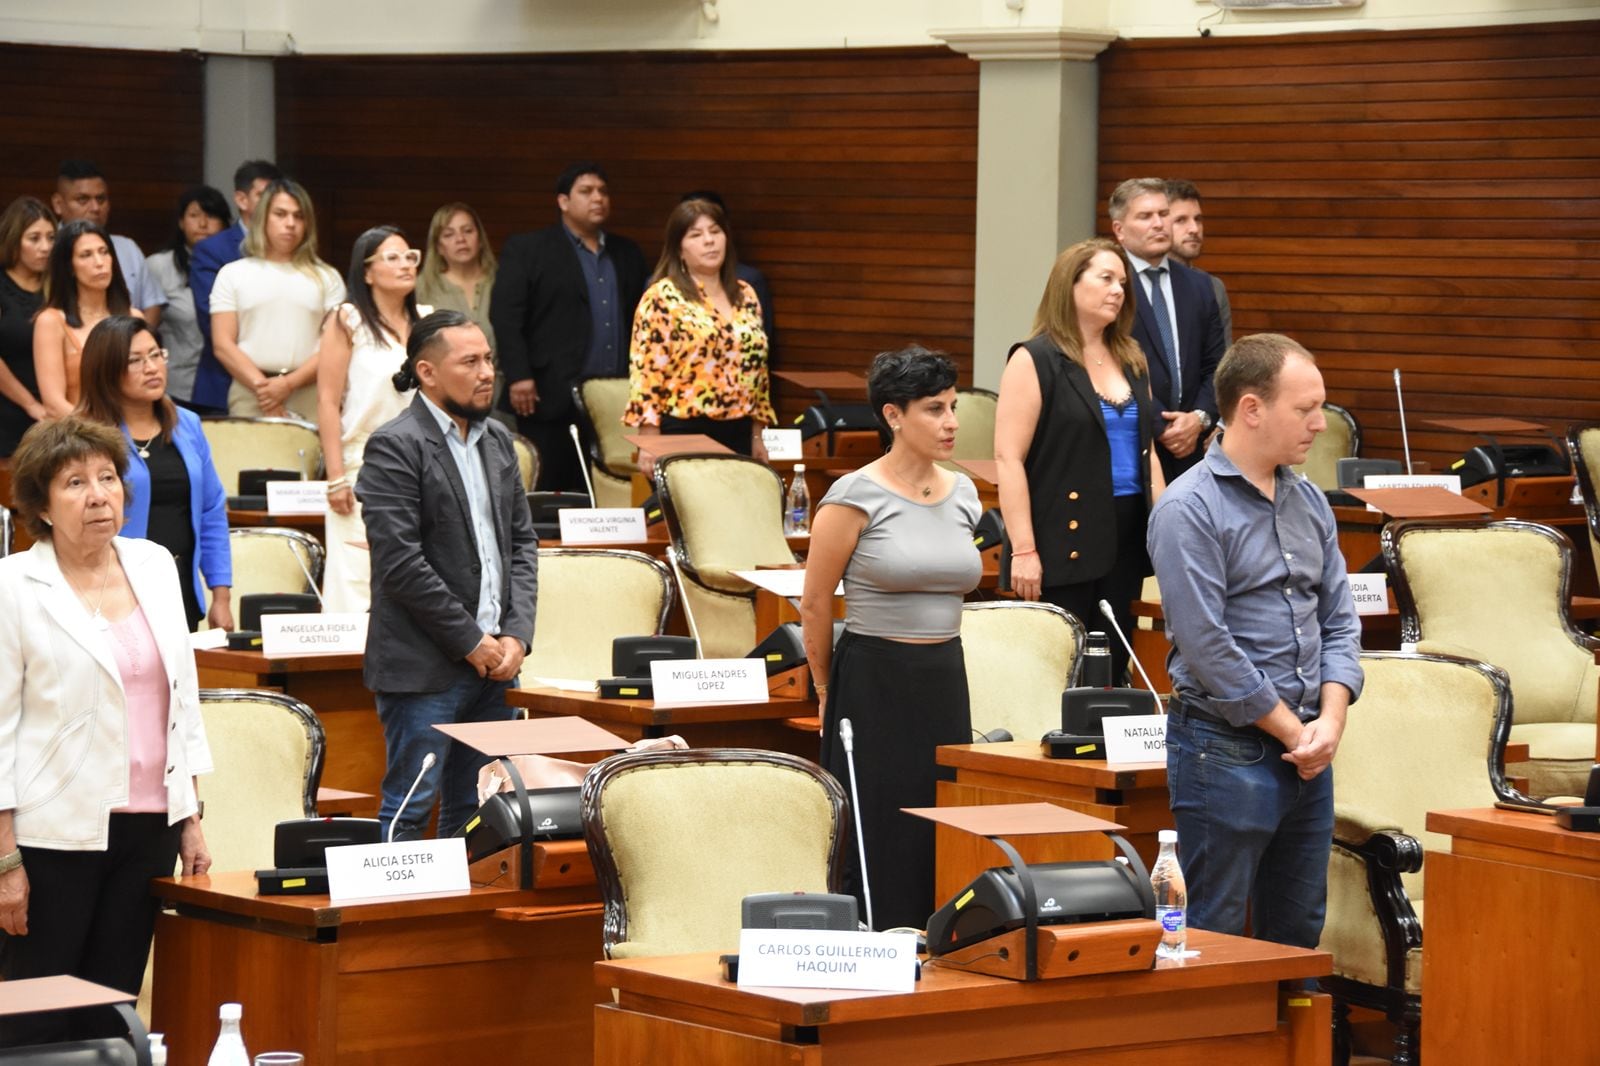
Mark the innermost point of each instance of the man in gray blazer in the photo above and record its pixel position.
(454, 571)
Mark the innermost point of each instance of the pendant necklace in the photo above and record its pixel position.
(96, 617)
(144, 448)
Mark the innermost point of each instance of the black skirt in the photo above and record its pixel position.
(903, 701)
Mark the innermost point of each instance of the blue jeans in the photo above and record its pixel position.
(408, 719)
(1253, 839)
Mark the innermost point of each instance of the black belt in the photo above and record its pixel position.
(1188, 710)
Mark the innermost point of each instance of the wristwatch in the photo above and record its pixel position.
(1205, 420)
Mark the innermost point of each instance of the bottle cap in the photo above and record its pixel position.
(230, 1012)
(1167, 836)
(156, 1039)
(799, 468)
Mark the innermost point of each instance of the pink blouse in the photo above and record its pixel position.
(147, 694)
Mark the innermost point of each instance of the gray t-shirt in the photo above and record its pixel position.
(913, 562)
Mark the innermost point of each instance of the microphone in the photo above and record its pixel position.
(427, 764)
(583, 462)
(847, 736)
(683, 598)
(1400, 400)
(301, 563)
(993, 736)
(1105, 609)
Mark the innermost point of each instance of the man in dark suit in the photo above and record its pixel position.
(1178, 324)
(562, 310)
(211, 378)
(454, 560)
(1188, 223)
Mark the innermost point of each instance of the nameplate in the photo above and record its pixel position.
(602, 525)
(408, 868)
(297, 497)
(1136, 738)
(782, 443)
(1371, 593)
(324, 634)
(824, 958)
(1448, 482)
(709, 680)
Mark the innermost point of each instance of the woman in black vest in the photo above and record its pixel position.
(1072, 438)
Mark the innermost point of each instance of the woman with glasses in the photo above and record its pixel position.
(267, 308)
(363, 345)
(174, 495)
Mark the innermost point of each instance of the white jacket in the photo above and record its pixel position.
(63, 716)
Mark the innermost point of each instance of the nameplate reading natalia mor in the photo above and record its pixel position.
(822, 958)
(313, 634)
(297, 497)
(1136, 738)
(709, 680)
(408, 868)
(602, 525)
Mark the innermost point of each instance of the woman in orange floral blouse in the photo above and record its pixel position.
(698, 359)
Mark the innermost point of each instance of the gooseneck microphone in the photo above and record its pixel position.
(1105, 609)
(1400, 401)
(847, 736)
(583, 463)
(427, 764)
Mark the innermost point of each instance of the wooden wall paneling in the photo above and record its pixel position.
(1424, 200)
(138, 115)
(850, 175)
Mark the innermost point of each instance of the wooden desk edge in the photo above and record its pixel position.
(1516, 829)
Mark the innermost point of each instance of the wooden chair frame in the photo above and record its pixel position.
(669, 510)
(302, 711)
(1586, 477)
(615, 928)
(662, 572)
(1080, 632)
(591, 436)
(316, 555)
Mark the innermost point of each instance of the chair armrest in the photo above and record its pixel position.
(1353, 826)
(1386, 854)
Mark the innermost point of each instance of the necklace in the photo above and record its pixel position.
(143, 448)
(924, 491)
(96, 617)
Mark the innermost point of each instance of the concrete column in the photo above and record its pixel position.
(240, 115)
(1038, 106)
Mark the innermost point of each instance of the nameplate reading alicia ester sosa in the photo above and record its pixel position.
(408, 868)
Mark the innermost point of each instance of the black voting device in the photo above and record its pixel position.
(1585, 819)
(498, 824)
(299, 852)
(253, 488)
(1084, 708)
(630, 662)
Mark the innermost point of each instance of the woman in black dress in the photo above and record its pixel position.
(27, 232)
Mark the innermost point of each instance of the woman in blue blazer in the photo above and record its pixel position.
(175, 496)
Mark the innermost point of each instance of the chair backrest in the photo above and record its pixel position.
(975, 411)
(267, 752)
(723, 513)
(527, 460)
(1019, 656)
(261, 444)
(1428, 733)
(586, 599)
(1583, 441)
(1341, 440)
(679, 838)
(265, 560)
(1496, 592)
(600, 403)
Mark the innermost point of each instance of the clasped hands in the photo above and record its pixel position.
(1182, 433)
(497, 658)
(1313, 752)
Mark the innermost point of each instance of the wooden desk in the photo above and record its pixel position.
(421, 981)
(314, 524)
(331, 685)
(1505, 960)
(710, 725)
(1133, 795)
(1223, 1007)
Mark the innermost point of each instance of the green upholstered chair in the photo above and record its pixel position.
(1428, 733)
(527, 461)
(724, 513)
(261, 444)
(1341, 440)
(1583, 441)
(273, 560)
(679, 838)
(1497, 592)
(586, 599)
(267, 751)
(975, 411)
(599, 403)
(1019, 657)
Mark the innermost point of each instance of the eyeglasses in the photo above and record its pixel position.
(155, 358)
(410, 257)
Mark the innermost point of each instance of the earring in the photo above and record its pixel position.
(46, 520)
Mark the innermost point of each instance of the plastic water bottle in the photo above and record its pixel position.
(1172, 896)
(229, 1050)
(797, 508)
(158, 1049)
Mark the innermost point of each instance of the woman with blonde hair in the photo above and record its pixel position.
(267, 308)
(458, 266)
(1072, 439)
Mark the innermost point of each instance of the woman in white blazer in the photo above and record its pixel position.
(100, 730)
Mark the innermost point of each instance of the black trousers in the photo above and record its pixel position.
(903, 701)
(1118, 587)
(732, 433)
(90, 915)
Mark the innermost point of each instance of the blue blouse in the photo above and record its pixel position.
(208, 504)
(1122, 433)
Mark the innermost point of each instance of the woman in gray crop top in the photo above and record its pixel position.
(899, 533)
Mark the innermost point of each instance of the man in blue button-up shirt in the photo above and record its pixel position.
(1265, 656)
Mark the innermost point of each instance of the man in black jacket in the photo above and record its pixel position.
(562, 311)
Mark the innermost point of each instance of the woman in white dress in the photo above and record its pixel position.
(363, 345)
(267, 308)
